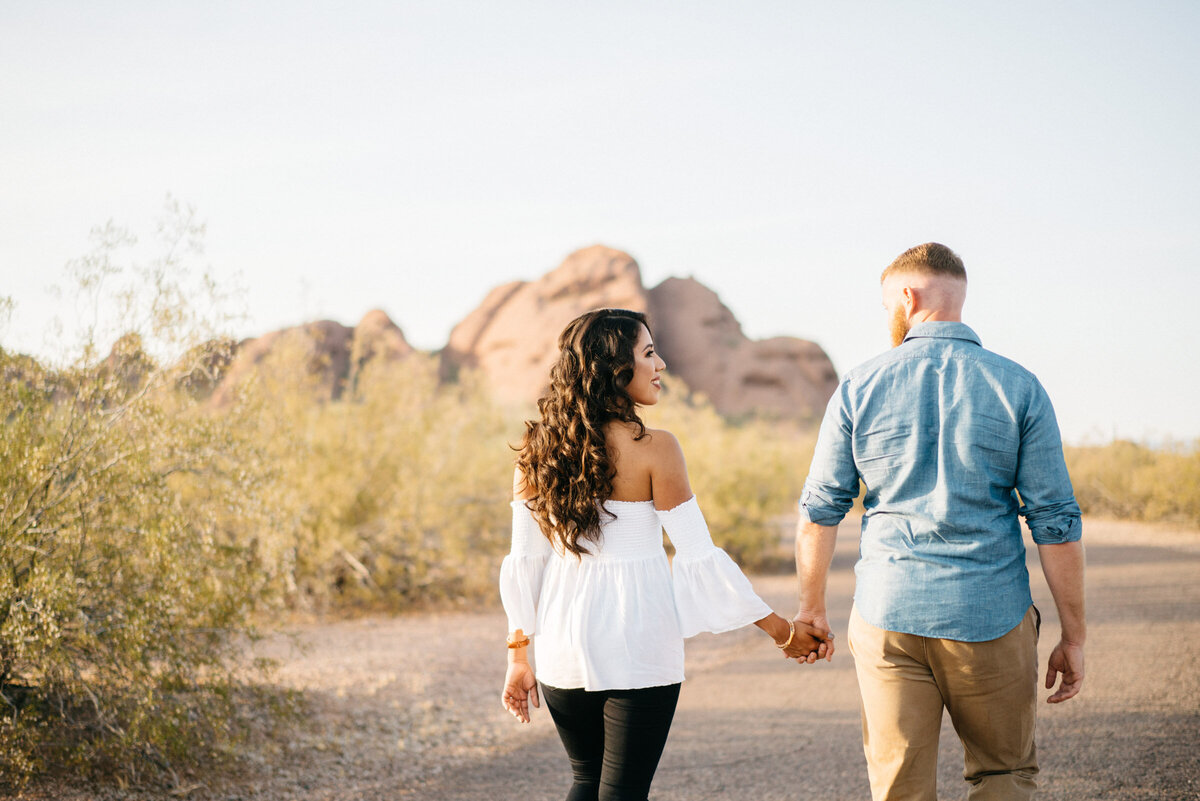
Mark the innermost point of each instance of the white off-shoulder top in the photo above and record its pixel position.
(616, 618)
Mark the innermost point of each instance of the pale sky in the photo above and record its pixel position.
(410, 156)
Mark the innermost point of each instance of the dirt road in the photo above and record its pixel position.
(408, 707)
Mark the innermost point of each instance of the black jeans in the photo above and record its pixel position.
(613, 738)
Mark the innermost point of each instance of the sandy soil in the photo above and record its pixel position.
(408, 707)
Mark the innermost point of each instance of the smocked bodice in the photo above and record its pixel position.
(615, 618)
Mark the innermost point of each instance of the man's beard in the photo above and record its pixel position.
(898, 326)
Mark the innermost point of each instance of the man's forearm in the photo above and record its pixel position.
(1062, 564)
(814, 553)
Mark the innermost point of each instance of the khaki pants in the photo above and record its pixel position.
(989, 688)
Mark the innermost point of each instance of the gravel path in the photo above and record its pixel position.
(409, 707)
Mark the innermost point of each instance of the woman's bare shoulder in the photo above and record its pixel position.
(521, 491)
(668, 471)
(651, 442)
(663, 443)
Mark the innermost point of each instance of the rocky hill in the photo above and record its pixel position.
(512, 335)
(332, 354)
(511, 338)
(702, 342)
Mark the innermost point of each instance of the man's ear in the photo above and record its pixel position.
(910, 299)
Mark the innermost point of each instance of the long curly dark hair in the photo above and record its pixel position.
(563, 456)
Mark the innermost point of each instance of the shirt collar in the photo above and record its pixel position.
(940, 329)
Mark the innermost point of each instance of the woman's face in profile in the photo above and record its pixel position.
(646, 384)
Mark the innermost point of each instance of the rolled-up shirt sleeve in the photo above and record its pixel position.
(522, 569)
(711, 592)
(1047, 498)
(832, 483)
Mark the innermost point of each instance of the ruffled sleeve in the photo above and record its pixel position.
(711, 592)
(521, 571)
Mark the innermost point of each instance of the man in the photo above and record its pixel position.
(951, 443)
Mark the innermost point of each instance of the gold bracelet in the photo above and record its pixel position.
(791, 636)
(524, 642)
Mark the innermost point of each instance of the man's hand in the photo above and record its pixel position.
(1066, 659)
(1062, 564)
(816, 620)
(814, 553)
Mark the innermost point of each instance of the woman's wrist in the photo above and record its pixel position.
(776, 627)
(791, 635)
(518, 646)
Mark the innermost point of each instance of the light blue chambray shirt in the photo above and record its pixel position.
(943, 434)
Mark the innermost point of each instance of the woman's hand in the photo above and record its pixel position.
(520, 689)
(808, 644)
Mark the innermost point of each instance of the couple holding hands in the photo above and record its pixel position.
(952, 444)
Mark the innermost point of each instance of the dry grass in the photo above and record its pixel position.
(1128, 481)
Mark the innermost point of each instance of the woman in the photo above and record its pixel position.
(588, 574)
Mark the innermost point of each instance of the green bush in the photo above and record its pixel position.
(119, 598)
(129, 576)
(393, 497)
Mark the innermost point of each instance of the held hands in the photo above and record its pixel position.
(801, 640)
(814, 627)
(808, 644)
(520, 689)
(1065, 659)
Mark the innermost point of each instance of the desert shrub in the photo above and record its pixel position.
(126, 584)
(394, 496)
(1135, 482)
(119, 598)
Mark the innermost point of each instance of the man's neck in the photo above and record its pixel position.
(935, 316)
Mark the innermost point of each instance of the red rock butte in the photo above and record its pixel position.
(511, 337)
